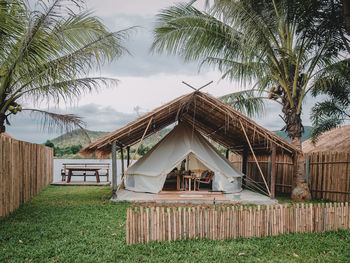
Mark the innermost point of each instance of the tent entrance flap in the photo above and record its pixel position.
(189, 165)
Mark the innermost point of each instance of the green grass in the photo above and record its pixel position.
(79, 224)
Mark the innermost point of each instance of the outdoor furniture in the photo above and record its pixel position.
(205, 178)
(84, 169)
(188, 181)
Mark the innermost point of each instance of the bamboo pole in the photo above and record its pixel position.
(273, 170)
(133, 157)
(122, 158)
(257, 163)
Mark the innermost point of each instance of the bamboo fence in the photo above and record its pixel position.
(327, 174)
(145, 224)
(25, 169)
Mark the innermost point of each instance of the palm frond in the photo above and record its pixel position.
(62, 122)
(49, 49)
(249, 102)
(323, 126)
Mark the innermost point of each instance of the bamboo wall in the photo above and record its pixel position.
(327, 173)
(25, 169)
(145, 224)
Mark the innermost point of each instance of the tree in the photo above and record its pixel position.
(76, 148)
(252, 41)
(335, 109)
(142, 150)
(47, 52)
(49, 143)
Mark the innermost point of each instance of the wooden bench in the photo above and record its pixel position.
(83, 169)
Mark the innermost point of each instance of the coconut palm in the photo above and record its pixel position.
(255, 42)
(335, 109)
(47, 53)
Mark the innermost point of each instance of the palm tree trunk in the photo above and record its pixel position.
(294, 128)
(346, 9)
(2, 123)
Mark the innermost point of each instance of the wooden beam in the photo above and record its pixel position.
(273, 170)
(114, 168)
(205, 85)
(188, 85)
(256, 160)
(137, 148)
(122, 159)
(244, 165)
(128, 155)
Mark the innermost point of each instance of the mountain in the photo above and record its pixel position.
(304, 137)
(77, 137)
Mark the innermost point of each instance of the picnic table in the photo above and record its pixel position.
(84, 168)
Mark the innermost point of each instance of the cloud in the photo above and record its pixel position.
(142, 62)
(140, 7)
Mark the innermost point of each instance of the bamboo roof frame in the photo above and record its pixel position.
(210, 116)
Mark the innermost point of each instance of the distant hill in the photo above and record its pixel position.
(77, 137)
(305, 136)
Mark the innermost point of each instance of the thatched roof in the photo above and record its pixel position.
(337, 139)
(210, 116)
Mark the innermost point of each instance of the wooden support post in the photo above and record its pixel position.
(307, 168)
(227, 153)
(244, 165)
(114, 168)
(128, 156)
(269, 165)
(122, 159)
(273, 170)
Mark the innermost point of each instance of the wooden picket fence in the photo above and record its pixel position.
(25, 169)
(145, 224)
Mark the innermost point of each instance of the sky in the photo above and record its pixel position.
(145, 80)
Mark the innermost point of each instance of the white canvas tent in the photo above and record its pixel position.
(149, 173)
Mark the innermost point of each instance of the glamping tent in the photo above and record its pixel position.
(206, 115)
(149, 173)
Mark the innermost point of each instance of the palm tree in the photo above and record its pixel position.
(251, 41)
(335, 109)
(47, 52)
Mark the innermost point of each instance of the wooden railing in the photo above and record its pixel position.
(145, 224)
(25, 169)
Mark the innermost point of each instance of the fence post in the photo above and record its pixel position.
(114, 168)
(307, 168)
(273, 170)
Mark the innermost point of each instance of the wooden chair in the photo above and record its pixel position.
(204, 180)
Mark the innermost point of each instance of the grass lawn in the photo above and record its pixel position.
(78, 224)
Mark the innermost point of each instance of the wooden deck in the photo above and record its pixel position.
(78, 183)
(190, 195)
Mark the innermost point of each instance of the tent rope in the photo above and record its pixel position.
(256, 185)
